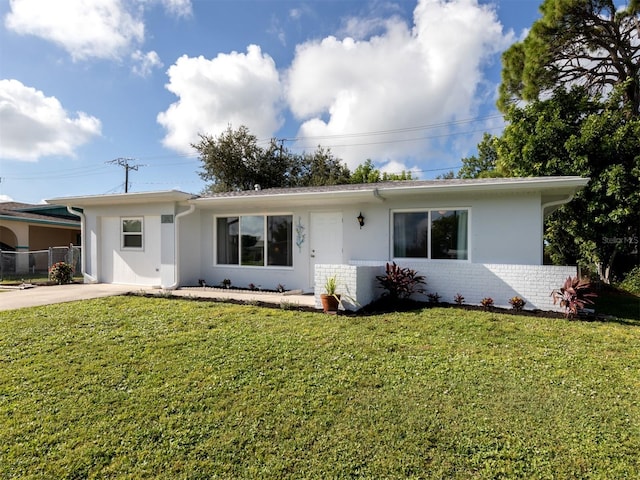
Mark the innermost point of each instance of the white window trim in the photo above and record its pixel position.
(428, 257)
(253, 267)
(123, 234)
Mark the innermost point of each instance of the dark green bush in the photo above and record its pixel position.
(631, 282)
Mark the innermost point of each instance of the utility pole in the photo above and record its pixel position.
(124, 162)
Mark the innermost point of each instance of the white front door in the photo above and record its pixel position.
(325, 243)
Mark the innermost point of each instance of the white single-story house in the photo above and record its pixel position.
(479, 238)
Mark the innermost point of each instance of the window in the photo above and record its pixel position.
(255, 240)
(132, 233)
(435, 234)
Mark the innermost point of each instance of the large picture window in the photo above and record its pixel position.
(434, 234)
(255, 240)
(131, 230)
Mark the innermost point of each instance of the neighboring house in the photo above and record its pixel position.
(480, 238)
(27, 228)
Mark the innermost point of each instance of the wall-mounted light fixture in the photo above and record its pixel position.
(360, 220)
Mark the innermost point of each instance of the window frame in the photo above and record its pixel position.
(428, 211)
(124, 234)
(265, 237)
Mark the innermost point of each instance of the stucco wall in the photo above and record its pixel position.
(106, 261)
(41, 237)
(502, 229)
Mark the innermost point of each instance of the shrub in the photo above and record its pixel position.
(459, 299)
(400, 283)
(487, 302)
(631, 282)
(61, 273)
(434, 298)
(573, 295)
(226, 283)
(517, 303)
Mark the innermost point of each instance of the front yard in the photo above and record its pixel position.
(132, 387)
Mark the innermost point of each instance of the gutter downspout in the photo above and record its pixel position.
(376, 194)
(176, 276)
(544, 207)
(83, 256)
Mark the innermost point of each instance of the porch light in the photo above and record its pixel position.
(360, 220)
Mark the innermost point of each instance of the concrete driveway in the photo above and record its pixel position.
(37, 296)
(46, 295)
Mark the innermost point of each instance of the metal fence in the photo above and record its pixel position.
(36, 264)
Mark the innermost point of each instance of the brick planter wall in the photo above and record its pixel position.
(473, 281)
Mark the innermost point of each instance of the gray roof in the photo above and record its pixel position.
(401, 185)
(24, 212)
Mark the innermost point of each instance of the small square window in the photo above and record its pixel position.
(132, 233)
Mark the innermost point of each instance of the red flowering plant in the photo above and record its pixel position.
(61, 273)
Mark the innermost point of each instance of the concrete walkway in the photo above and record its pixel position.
(13, 299)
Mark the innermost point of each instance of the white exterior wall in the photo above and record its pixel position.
(295, 277)
(190, 246)
(507, 229)
(503, 229)
(533, 283)
(475, 281)
(356, 284)
(106, 261)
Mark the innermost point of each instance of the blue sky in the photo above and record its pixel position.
(408, 84)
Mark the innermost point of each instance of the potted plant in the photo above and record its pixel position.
(330, 299)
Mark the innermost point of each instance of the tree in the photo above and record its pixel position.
(576, 42)
(230, 160)
(321, 168)
(234, 161)
(367, 173)
(484, 165)
(571, 133)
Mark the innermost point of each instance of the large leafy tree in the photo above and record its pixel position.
(321, 168)
(484, 164)
(367, 173)
(576, 42)
(235, 161)
(572, 133)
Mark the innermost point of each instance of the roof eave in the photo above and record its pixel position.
(122, 199)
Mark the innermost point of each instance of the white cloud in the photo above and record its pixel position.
(179, 8)
(85, 28)
(107, 29)
(144, 63)
(425, 74)
(235, 88)
(35, 126)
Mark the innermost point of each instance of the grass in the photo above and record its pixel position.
(133, 387)
(32, 278)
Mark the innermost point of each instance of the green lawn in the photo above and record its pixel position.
(132, 387)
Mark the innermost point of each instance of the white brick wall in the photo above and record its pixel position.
(473, 281)
(356, 283)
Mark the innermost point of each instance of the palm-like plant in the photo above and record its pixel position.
(573, 295)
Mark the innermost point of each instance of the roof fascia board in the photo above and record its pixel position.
(376, 193)
(70, 224)
(122, 199)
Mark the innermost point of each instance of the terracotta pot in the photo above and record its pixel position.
(330, 303)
